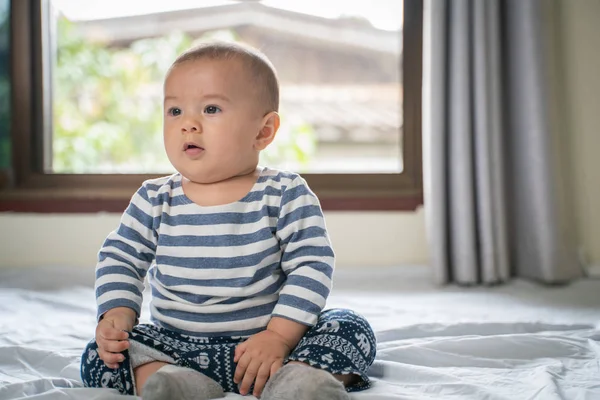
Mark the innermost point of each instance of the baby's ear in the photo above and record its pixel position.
(270, 125)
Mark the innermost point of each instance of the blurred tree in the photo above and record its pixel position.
(107, 108)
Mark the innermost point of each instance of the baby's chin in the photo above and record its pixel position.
(206, 178)
(203, 179)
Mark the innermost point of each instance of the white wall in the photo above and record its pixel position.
(359, 239)
(581, 64)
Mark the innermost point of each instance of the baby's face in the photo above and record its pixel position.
(211, 120)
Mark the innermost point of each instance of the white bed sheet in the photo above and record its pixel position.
(519, 341)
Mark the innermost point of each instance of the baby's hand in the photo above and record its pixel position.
(258, 358)
(110, 337)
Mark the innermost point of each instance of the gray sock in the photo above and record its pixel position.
(300, 382)
(173, 382)
(140, 354)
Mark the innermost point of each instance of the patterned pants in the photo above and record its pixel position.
(342, 342)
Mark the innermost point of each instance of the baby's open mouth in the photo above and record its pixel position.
(192, 149)
(188, 146)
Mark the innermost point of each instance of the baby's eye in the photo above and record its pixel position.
(212, 109)
(174, 111)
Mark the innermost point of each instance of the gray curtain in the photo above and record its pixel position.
(4, 92)
(496, 197)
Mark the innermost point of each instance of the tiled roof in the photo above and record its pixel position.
(356, 113)
(342, 31)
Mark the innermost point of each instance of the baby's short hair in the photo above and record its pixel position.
(258, 64)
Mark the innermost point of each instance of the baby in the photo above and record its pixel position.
(237, 257)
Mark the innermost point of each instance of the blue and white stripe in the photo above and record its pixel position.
(221, 270)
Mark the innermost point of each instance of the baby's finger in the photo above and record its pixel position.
(275, 367)
(111, 345)
(261, 379)
(110, 358)
(114, 346)
(112, 366)
(240, 370)
(239, 351)
(249, 376)
(110, 333)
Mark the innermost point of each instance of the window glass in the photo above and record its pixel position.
(338, 64)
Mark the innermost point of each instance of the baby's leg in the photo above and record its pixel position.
(299, 381)
(148, 368)
(95, 373)
(143, 372)
(332, 358)
(156, 375)
(346, 379)
(160, 381)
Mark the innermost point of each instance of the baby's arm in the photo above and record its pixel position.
(123, 262)
(125, 257)
(290, 331)
(307, 259)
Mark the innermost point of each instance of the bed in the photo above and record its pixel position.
(519, 341)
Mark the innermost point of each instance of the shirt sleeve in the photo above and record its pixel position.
(125, 257)
(307, 256)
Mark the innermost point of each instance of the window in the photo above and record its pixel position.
(87, 121)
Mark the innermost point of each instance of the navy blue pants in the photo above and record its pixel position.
(342, 342)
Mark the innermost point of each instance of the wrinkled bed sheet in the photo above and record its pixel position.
(519, 341)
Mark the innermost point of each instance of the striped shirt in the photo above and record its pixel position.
(219, 270)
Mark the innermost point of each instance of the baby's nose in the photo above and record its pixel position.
(190, 126)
